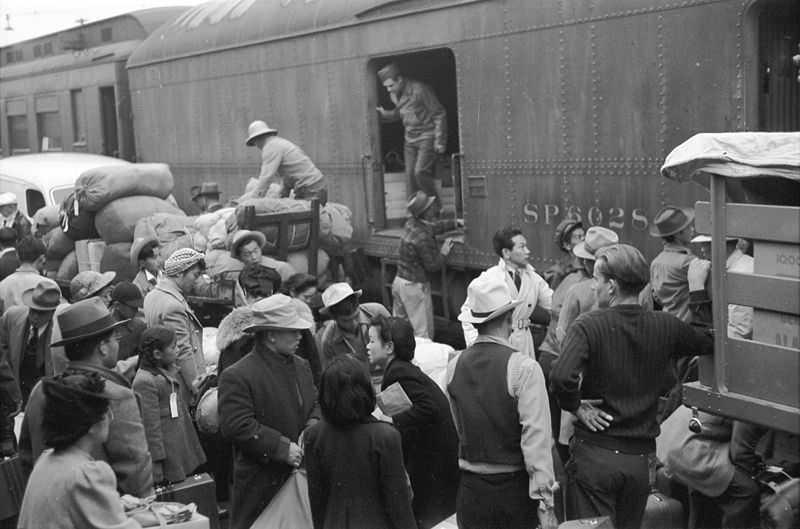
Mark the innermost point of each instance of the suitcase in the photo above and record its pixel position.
(600, 522)
(12, 487)
(199, 489)
(662, 512)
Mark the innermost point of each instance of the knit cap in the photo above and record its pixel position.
(181, 260)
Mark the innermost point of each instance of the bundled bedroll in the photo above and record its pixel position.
(117, 220)
(100, 186)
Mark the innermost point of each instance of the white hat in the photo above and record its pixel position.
(7, 199)
(256, 129)
(596, 237)
(488, 298)
(276, 312)
(336, 293)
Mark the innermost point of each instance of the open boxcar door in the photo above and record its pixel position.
(754, 180)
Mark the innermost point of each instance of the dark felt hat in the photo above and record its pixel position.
(85, 319)
(671, 220)
(44, 296)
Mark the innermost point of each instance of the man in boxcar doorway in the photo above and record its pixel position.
(425, 122)
(285, 169)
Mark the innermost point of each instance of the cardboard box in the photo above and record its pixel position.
(776, 259)
(198, 521)
(776, 328)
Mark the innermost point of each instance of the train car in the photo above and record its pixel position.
(556, 108)
(68, 91)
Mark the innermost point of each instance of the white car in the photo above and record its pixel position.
(46, 179)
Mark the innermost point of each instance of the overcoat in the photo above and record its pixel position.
(265, 401)
(166, 305)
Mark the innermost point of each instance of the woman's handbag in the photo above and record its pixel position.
(290, 508)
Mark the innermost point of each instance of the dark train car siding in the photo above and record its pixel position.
(563, 107)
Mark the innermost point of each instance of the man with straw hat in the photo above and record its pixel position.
(89, 338)
(285, 169)
(499, 404)
(669, 270)
(266, 400)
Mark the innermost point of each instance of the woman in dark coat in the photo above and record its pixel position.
(356, 478)
(430, 441)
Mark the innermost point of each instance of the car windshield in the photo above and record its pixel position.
(60, 194)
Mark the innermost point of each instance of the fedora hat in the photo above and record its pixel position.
(596, 237)
(671, 220)
(139, 245)
(418, 203)
(276, 312)
(44, 296)
(487, 299)
(244, 236)
(85, 319)
(204, 190)
(88, 283)
(256, 129)
(335, 294)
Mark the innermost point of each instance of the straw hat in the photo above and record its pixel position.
(277, 312)
(85, 319)
(487, 299)
(88, 283)
(671, 220)
(7, 199)
(335, 294)
(596, 237)
(256, 129)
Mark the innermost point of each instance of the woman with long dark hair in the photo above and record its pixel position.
(356, 477)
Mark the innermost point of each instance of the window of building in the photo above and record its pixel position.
(105, 34)
(18, 133)
(37, 50)
(48, 123)
(17, 55)
(48, 48)
(10, 56)
(78, 117)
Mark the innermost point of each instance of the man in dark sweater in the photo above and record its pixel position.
(614, 364)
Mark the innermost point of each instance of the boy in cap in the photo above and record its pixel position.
(12, 217)
(90, 340)
(419, 255)
(266, 400)
(285, 169)
(669, 270)
(144, 256)
(166, 305)
(499, 404)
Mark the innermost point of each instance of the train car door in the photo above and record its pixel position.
(779, 76)
(436, 68)
(108, 120)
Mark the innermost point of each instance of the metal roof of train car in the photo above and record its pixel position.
(233, 23)
(117, 51)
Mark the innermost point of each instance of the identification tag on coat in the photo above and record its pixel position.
(173, 405)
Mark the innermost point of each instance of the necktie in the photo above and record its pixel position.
(517, 279)
(33, 338)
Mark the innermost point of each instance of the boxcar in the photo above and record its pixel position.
(556, 108)
(68, 91)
